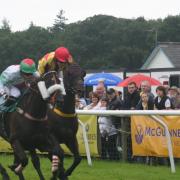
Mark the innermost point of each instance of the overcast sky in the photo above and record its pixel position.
(43, 12)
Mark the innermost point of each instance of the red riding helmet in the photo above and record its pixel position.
(62, 54)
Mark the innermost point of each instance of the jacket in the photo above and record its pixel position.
(11, 76)
(131, 100)
(46, 63)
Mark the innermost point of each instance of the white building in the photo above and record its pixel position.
(164, 63)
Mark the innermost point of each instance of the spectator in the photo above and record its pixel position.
(105, 126)
(78, 103)
(89, 99)
(162, 101)
(82, 100)
(114, 104)
(146, 102)
(131, 100)
(95, 100)
(119, 95)
(174, 96)
(100, 89)
(146, 88)
(132, 97)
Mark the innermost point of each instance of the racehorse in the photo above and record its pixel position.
(27, 128)
(63, 119)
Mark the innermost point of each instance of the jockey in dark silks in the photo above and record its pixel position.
(12, 78)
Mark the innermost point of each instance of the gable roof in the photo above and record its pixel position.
(170, 49)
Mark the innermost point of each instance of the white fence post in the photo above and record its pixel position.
(86, 143)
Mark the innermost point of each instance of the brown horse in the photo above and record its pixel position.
(27, 128)
(63, 119)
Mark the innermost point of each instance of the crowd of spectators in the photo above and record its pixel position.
(135, 98)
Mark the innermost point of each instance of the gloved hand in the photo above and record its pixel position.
(3, 93)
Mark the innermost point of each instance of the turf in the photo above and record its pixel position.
(101, 170)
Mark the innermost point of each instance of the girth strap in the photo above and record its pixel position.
(57, 111)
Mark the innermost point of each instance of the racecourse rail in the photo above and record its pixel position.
(155, 114)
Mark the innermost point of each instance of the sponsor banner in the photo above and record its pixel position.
(4, 146)
(148, 136)
(90, 122)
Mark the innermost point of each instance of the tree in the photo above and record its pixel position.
(5, 25)
(60, 22)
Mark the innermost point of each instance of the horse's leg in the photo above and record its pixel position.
(4, 174)
(36, 163)
(57, 152)
(74, 148)
(21, 159)
(13, 167)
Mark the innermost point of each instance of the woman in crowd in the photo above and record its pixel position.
(145, 103)
(108, 134)
(94, 103)
(162, 101)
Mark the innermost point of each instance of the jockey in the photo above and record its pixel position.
(54, 61)
(15, 75)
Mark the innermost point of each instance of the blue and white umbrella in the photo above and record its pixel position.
(109, 79)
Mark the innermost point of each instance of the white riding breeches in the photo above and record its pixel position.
(12, 91)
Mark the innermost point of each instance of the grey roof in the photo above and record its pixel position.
(171, 50)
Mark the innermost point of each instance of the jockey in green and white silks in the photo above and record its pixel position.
(14, 75)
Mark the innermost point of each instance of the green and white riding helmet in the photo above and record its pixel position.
(28, 66)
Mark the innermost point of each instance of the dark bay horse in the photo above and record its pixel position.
(63, 119)
(27, 128)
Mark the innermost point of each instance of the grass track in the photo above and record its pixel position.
(105, 170)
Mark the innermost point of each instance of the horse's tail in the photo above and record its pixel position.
(4, 173)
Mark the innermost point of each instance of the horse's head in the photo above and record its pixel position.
(48, 84)
(40, 92)
(74, 78)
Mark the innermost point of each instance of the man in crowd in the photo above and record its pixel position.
(174, 95)
(114, 104)
(131, 100)
(146, 88)
(132, 97)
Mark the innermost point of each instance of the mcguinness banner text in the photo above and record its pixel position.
(148, 137)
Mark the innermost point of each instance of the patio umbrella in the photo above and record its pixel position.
(109, 79)
(138, 78)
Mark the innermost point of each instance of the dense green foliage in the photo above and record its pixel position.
(106, 170)
(99, 42)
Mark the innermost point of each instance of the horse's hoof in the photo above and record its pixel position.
(12, 167)
(17, 168)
